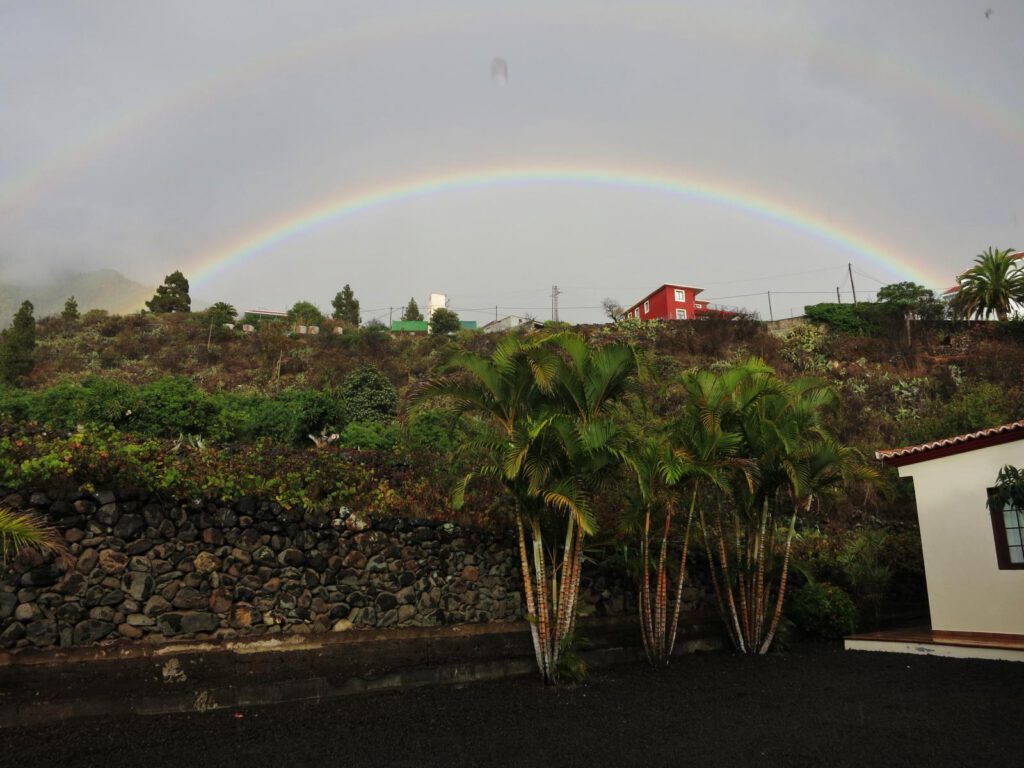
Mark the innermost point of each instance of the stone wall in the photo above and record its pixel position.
(142, 568)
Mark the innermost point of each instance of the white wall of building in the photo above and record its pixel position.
(436, 300)
(966, 590)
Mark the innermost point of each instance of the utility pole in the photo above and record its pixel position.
(839, 298)
(391, 321)
(554, 302)
(849, 268)
(771, 315)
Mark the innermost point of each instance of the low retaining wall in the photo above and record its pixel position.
(144, 569)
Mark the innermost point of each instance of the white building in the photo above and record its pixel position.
(511, 322)
(973, 558)
(437, 301)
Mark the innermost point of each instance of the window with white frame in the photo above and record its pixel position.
(680, 314)
(647, 307)
(680, 295)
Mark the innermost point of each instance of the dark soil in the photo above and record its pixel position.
(813, 706)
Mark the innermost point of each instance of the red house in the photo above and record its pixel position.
(671, 302)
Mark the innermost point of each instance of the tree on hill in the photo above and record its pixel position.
(613, 309)
(221, 313)
(911, 301)
(412, 311)
(305, 313)
(70, 313)
(17, 344)
(172, 296)
(991, 287)
(444, 321)
(346, 306)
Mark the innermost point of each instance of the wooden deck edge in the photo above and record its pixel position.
(944, 637)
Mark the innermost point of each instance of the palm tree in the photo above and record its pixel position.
(992, 286)
(554, 444)
(19, 531)
(793, 461)
(680, 467)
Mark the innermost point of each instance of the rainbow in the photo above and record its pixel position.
(785, 215)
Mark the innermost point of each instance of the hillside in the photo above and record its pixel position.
(947, 379)
(100, 289)
(186, 407)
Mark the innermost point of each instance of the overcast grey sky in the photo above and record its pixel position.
(149, 137)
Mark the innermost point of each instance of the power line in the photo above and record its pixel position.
(862, 273)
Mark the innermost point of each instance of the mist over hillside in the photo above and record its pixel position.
(97, 289)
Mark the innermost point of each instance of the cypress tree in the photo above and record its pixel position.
(17, 345)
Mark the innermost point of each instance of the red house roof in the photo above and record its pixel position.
(911, 454)
(668, 285)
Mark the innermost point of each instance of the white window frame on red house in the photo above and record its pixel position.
(680, 314)
(647, 307)
(680, 295)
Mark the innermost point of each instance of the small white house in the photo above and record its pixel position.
(973, 558)
(511, 322)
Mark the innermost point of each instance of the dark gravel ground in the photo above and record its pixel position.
(813, 706)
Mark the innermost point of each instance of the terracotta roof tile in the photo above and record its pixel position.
(901, 455)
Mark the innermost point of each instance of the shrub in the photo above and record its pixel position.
(366, 395)
(172, 406)
(820, 609)
(868, 573)
(863, 319)
(369, 435)
(433, 431)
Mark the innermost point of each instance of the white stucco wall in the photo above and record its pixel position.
(966, 590)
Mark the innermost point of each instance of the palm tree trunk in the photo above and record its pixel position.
(713, 569)
(782, 582)
(543, 604)
(759, 586)
(674, 627)
(727, 583)
(531, 603)
(574, 592)
(565, 582)
(661, 599)
(646, 623)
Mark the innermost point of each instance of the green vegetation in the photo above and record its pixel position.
(21, 531)
(174, 406)
(412, 311)
(346, 306)
(172, 296)
(444, 321)
(555, 445)
(305, 313)
(221, 314)
(991, 287)
(17, 345)
(823, 610)
(70, 312)
(711, 439)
